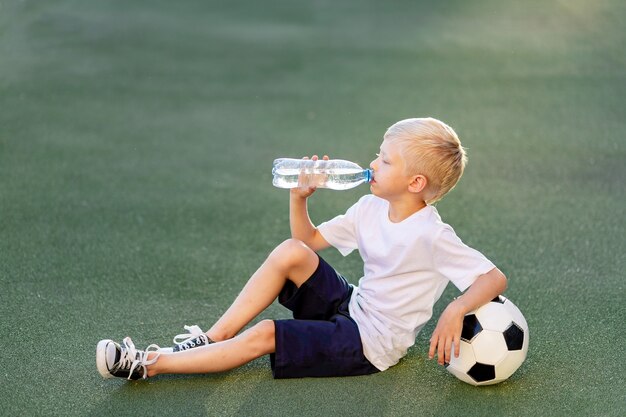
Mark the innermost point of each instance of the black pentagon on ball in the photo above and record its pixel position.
(514, 337)
(471, 328)
(498, 299)
(482, 373)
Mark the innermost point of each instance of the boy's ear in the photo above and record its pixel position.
(418, 184)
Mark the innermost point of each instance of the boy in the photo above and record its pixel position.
(409, 256)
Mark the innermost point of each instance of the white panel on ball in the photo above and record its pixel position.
(490, 316)
(466, 357)
(489, 347)
(509, 364)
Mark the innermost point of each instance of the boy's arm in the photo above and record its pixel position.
(448, 331)
(301, 226)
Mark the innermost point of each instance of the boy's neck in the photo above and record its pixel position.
(400, 210)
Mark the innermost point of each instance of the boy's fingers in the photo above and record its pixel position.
(447, 349)
(457, 346)
(440, 351)
(433, 345)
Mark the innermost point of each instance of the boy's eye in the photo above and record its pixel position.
(383, 161)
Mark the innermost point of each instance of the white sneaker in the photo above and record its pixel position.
(123, 361)
(194, 337)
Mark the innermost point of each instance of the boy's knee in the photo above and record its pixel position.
(262, 336)
(266, 328)
(293, 245)
(294, 251)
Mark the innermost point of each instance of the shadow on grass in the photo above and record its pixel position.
(204, 394)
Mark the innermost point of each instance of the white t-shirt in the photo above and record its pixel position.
(407, 267)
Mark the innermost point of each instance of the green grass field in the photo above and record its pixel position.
(136, 141)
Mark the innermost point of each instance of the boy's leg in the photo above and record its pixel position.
(292, 260)
(249, 345)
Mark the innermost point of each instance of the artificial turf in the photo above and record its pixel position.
(136, 140)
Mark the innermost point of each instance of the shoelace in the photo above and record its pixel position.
(188, 340)
(131, 358)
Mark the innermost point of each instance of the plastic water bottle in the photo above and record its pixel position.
(335, 174)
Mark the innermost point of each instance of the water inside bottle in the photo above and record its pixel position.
(338, 179)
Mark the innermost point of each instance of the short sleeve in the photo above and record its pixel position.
(458, 262)
(341, 231)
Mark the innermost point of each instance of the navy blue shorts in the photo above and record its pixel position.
(322, 339)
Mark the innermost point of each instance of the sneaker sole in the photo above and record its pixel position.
(101, 358)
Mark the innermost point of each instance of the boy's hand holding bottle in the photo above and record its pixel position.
(308, 181)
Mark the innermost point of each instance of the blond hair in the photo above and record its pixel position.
(431, 148)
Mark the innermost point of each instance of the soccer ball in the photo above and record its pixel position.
(494, 343)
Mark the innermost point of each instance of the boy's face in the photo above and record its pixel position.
(389, 172)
